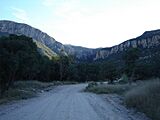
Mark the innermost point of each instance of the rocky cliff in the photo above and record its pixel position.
(147, 40)
(81, 53)
(24, 29)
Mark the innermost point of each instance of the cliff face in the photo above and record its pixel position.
(148, 40)
(24, 29)
(81, 53)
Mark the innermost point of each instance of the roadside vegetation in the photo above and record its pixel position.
(24, 90)
(142, 95)
(146, 98)
(108, 88)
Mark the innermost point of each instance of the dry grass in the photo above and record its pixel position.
(108, 88)
(24, 90)
(145, 98)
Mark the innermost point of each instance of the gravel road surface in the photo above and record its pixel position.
(68, 102)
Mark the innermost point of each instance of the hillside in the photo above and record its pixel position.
(24, 29)
(44, 50)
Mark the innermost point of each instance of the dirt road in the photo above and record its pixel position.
(67, 103)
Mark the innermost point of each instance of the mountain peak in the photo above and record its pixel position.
(151, 33)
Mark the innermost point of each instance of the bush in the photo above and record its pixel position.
(16, 94)
(146, 98)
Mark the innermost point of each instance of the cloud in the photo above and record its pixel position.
(20, 14)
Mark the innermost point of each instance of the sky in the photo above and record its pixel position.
(87, 23)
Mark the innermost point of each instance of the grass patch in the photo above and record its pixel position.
(31, 85)
(108, 88)
(25, 90)
(19, 94)
(145, 98)
(64, 82)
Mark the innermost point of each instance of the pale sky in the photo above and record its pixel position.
(87, 23)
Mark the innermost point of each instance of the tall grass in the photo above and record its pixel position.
(146, 98)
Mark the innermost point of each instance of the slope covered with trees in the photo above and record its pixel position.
(20, 60)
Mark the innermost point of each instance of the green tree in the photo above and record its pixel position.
(130, 57)
(19, 60)
(73, 73)
(108, 71)
(64, 63)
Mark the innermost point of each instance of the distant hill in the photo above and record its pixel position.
(148, 43)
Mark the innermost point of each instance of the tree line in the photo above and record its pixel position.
(20, 60)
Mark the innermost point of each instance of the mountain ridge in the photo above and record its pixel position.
(148, 40)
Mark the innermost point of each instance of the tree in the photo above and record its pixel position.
(64, 63)
(108, 71)
(92, 72)
(130, 57)
(19, 60)
(73, 73)
(82, 72)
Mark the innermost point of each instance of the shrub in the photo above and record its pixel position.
(124, 79)
(91, 85)
(146, 98)
(108, 88)
(16, 94)
(25, 90)
(31, 85)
